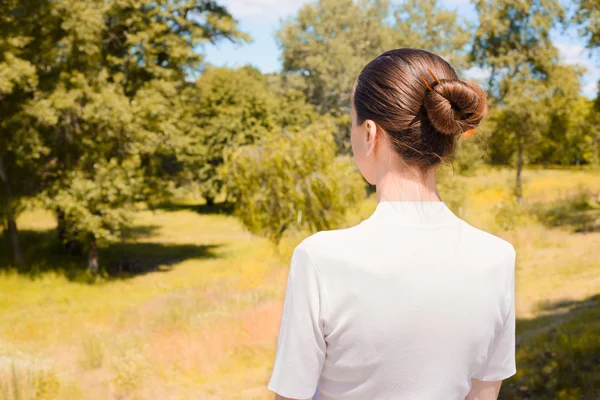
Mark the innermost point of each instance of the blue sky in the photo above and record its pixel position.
(261, 18)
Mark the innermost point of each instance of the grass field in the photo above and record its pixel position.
(201, 319)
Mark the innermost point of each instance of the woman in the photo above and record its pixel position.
(413, 302)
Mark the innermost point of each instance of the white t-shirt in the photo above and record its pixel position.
(411, 303)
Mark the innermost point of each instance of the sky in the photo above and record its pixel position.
(261, 18)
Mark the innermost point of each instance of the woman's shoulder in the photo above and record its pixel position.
(485, 243)
(325, 239)
(334, 246)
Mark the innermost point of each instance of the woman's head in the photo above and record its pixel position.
(411, 102)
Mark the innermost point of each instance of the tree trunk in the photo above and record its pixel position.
(519, 189)
(13, 232)
(73, 247)
(595, 146)
(60, 225)
(93, 256)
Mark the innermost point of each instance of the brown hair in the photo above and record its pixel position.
(421, 120)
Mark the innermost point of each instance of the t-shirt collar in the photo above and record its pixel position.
(417, 213)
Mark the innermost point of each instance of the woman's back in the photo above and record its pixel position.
(411, 303)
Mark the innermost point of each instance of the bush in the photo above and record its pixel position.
(19, 382)
(293, 181)
(93, 353)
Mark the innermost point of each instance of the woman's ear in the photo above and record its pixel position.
(371, 136)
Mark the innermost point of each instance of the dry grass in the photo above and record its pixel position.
(204, 326)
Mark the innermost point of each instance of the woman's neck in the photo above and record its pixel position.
(397, 182)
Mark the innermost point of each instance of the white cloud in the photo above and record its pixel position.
(264, 12)
(478, 73)
(590, 90)
(449, 3)
(577, 54)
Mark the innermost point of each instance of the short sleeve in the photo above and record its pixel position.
(501, 363)
(301, 344)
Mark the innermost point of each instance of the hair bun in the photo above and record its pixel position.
(454, 106)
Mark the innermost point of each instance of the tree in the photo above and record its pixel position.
(563, 141)
(231, 108)
(330, 41)
(583, 133)
(587, 16)
(26, 29)
(513, 41)
(292, 180)
(589, 128)
(557, 133)
(235, 107)
(430, 26)
(104, 119)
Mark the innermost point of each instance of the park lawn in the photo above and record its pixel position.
(203, 323)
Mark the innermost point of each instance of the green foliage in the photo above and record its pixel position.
(90, 95)
(28, 383)
(100, 109)
(579, 211)
(292, 110)
(588, 129)
(587, 15)
(561, 362)
(452, 191)
(513, 35)
(521, 119)
(470, 153)
(429, 25)
(330, 41)
(548, 117)
(93, 353)
(513, 41)
(532, 93)
(130, 368)
(231, 108)
(510, 214)
(572, 136)
(148, 39)
(293, 180)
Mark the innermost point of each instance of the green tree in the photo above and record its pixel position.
(97, 130)
(590, 127)
(557, 133)
(25, 31)
(583, 133)
(231, 108)
(587, 16)
(292, 180)
(292, 110)
(330, 41)
(564, 140)
(513, 42)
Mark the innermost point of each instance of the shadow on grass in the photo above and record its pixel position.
(558, 353)
(216, 208)
(44, 254)
(140, 231)
(581, 213)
